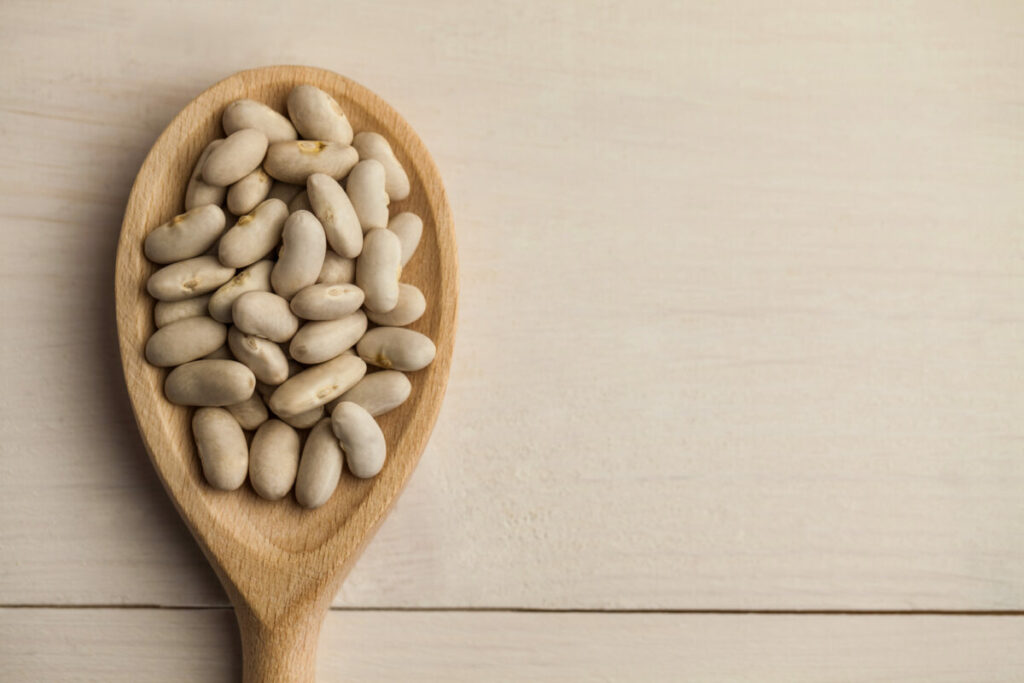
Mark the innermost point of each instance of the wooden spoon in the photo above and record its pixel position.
(280, 564)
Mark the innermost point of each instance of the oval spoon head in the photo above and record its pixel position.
(281, 564)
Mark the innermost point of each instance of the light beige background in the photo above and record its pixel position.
(740, 355)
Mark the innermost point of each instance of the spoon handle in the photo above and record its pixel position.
(283, 652)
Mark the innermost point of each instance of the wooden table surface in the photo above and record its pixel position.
(737, 390)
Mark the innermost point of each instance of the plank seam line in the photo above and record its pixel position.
(540, 610)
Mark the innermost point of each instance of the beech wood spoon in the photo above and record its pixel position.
(281, 565)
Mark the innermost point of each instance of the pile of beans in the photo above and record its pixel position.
(269, 325)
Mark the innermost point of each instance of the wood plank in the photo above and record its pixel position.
(152, 646)
(740, 318)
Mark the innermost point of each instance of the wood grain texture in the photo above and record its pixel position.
(406, 647)
(280, 564)
(740, 324)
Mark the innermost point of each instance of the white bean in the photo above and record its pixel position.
(209, 383)
(307, 419)
(255, 278)
(365, 189)
(327, 302)
(320, 467)
(264, 314)
(254, 235)
(375, 146)
(186, 235)
(284, 191)
(185, 340)
(300, 202)
(317, 115)
(189, 278)
(222, 448)
(337, 269)
(247, 193)
(199, 192)
(293, 162)
(220, 353)
(240, 154)
(322, 340)
(295, 367)
(361, 438)
(167, 312)
(317, 385)
(411, 306)
(396, 348)
(273, 459)
(409, 228)
(378, 269)
(378, 392)
(302, 254)
(251, 412)
(252, 114)
(265, 358)
(265, 390)
(332, 206)
(238, 157)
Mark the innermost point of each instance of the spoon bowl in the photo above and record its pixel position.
(281, 565)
